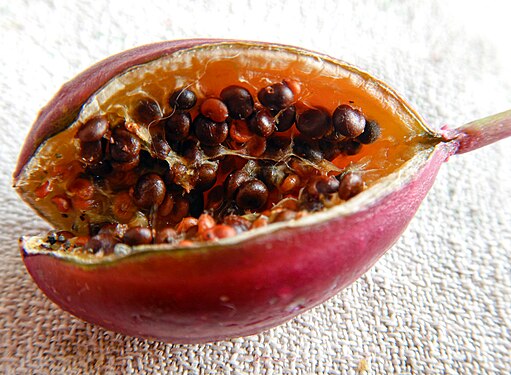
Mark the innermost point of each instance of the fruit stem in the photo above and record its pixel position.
(480, 132)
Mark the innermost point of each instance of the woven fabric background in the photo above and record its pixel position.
(438, 302)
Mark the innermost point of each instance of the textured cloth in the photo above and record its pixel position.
(438, 302)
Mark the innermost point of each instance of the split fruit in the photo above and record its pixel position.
(207, 189)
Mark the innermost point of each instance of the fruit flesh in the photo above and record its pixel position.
(208, 70)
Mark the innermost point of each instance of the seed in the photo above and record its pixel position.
(127, 165)
(285, 118)
(101, 242)
(309, 150)
(348, 121)
(205, 222)
(238, 101)
(91, 152)
(124, 145)
(326, 184)
(99, 169)
(177, 126)
(291, 182)
(190, 149)
(371, 133)
(214, 109)
(43, 190)
(82, 188)
(93, 130)
(138, 236)
(293, 85)
(350, 147)
(166, 235)
(262, 123)
(252, 194)
(260, 222)
(283, 215)
(206, 177)
(215, 198)
(180, 209)
(149, 191)
(186, 224)
(239, 223)
(147, 111)
(218, 232)
(234, 181)
(182, 99)
(175, 174)
(239, 131)
(113, 229)
(209, 132)
(62, 203)
(255, 146)
(123, 207)
(314, 123)
(276, 97)
(351, 184)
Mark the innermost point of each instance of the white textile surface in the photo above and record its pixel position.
(438, 302)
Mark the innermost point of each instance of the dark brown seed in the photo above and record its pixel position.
(113, 229)
(371, 133)
(276, 97)
(237, 222)
(214, 198)
(348, 121)
(175, 173)
(214, 109)
(149, 191)
(285, 119)
(99, 169)
(166, 235)
(350, 147)
(307, 149)
(183, 99)
(206, 177)
(314, 123)
(159, 146)
(327, 184)
(123, 207)
(209, 132)
(180, 209)
(138, 236)
(165, 208)
(91, 152)
(238, 100)
(252, 195)
(191, 151)
(126, 166)
(124, 146)
(93, 130)
(101, 242)
(351, 184)
(147, 111)
(262, 123)
(177, 126)
(234, 181)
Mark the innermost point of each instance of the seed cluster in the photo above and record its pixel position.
(214, 167)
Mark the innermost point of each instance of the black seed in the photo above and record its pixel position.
(101, 242)
(147, 111)
(307, 149)
(91, 152)
(93, 130)
(262, 123)
(252, 195)
(348, 121)
(182, 99)
(351, 184)
(149, 191)
(314, 123)
(138, 236)
(238, 100)
(209, 132)
(276, 97)
(371, 133)
(177, 126)
(206, 177)
(124, 146)
(285, 118)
